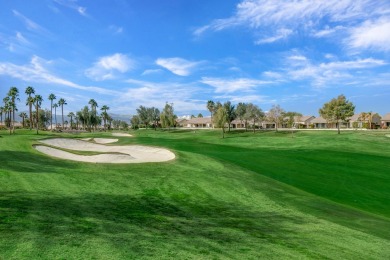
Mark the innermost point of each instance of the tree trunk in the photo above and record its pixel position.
(37, 124)
(30, 108)
(223, 132)
(338, 127)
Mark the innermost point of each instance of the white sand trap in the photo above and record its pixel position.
(122, 134)
(100, 140)
(111, 154)
(387, 135)
(105, 140)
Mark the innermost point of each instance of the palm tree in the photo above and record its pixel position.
(38, 101)
(23, 115)
(8, 110)
(51, 98)
(61, 103)
(211, 108)
(104, 115)
(55, 105)
(13, 93)
(94, 105)
(71, 115)
(1, 114)
(29, 91)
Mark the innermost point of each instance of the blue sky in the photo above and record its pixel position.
(298, 54)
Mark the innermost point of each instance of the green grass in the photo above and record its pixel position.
(317, 195)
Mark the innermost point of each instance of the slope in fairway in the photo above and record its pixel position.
(202, 205)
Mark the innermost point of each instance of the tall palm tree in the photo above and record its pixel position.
(55, 105)
(8, 110)
(37, 101)
(1, 114)
(94, 105)
(13, 93)
(104, 115)
(61, 103)
(71, 115)
(29, 91)
(23, 115)
(51, 98)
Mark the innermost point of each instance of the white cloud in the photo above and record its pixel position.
(285, 17)
(115, 29)
(324, 74)
(280, 35)
(149, 94)
(108, 66)
(373, 35)
(72, 4)
(151, 71)
(178, 66)
(327, 31)
(233, 85)
(31, 25)
(36, 72)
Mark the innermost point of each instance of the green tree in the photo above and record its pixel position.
(1, 114)
(55, 105)
(61, 103)
(71, 115)
(240, 112)
(38, 102)
(337, 110)
(23, 115)
(276, 115)
(13, 93)
(167, 116)
(51, 98)
(211, 108)
(253, 113)
(30, 100)
(200, 115)
(154, 116)
(230, 113)
(143, 115)
(220, 119)
(104, 115)
(94, 119)
(135, 121)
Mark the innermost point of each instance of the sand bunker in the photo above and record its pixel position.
(122, 134)
(110, 154)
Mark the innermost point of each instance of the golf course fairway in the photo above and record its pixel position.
(266, 195)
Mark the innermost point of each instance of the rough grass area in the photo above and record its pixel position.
(317, 195)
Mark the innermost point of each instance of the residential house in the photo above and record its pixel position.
(385, 121)
(199, 122)
(298, 121)
(362, 121)
(319, 123)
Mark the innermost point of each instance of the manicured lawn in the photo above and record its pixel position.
(317, 195)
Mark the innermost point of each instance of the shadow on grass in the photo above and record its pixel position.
(49, 219)
(25, 162)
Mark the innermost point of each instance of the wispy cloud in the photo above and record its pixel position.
(115, 29)
(373, 35)
(328, 73)
(72, 4)
(30, 24)
(108, 66)
(178, 66)
(233, 85)
(280, 34)
(285, 17)
(35, 71)
(151, 71)
(155, 94)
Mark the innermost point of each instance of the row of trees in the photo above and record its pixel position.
(87, 118)
(151, 116)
